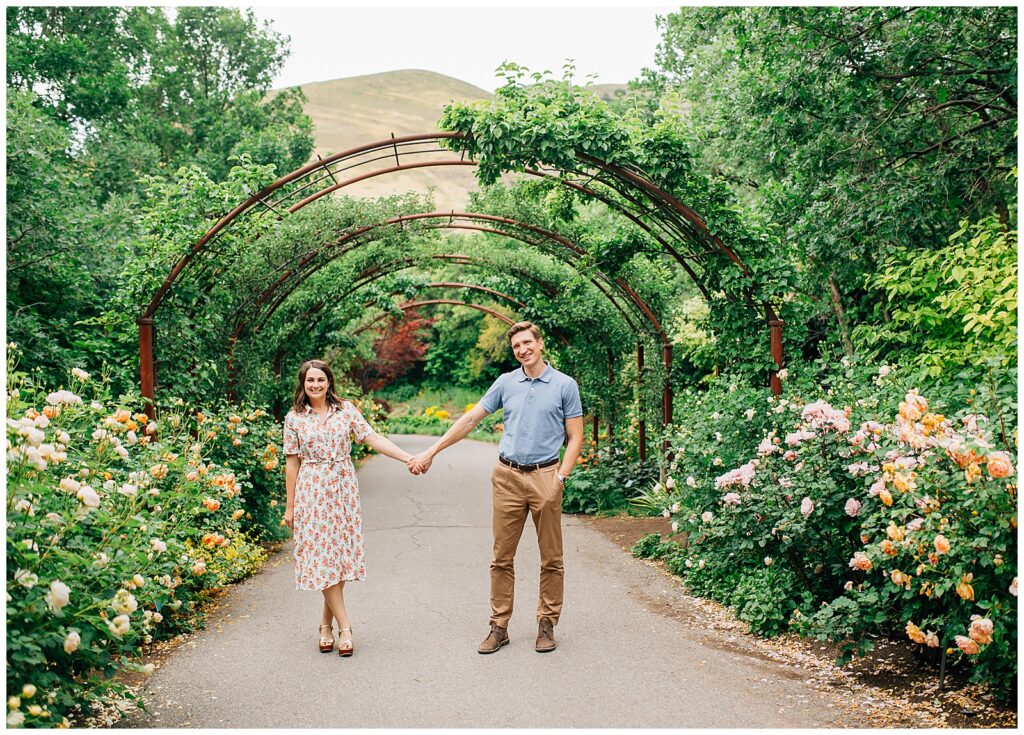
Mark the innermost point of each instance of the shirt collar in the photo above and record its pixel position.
(544, 377)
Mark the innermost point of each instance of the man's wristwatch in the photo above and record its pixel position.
(563, 478)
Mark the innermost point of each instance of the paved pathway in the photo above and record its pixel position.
(423, 611)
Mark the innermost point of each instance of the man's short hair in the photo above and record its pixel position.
(522, 327)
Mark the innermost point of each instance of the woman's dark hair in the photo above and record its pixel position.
(301, 399)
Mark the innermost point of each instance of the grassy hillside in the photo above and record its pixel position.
(356, 110)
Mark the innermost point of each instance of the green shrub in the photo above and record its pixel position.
(850, 501)
(605, 481)
(116, 525)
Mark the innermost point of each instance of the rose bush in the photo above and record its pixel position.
(872, 509)
(115, 526)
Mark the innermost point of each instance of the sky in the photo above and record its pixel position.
(467, 43)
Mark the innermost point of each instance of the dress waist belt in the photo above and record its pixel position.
(327, 461)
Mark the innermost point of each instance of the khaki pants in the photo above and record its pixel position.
(516, 493)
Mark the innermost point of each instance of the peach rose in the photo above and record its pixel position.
(999, 465)
(967, 645)
(941, 544)
(211, 504)
(964, 589)
(980, 630)
(915, 634)
(860, 561)
(885, 496)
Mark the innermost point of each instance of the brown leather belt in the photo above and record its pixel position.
(527, 467)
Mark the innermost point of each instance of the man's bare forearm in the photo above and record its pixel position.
(459, 430)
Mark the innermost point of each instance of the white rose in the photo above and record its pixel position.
(124, 602)
(691, 482)
(80, 374)
(88, 497)
(34, 437)
(58, 596)
(158, 545)
(119, 625)
(26, 578)
(72, 641)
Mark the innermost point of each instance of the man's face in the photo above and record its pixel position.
(527, 348)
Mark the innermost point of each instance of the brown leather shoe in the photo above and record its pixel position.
(545, 635)
(497, 638)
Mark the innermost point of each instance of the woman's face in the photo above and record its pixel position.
(316, 384)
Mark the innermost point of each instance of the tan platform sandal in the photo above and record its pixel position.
(345, 648)
(326, 644)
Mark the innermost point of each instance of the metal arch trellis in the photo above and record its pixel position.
(290, 279)
(668, 214)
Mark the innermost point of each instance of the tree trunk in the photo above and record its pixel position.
(844, 327)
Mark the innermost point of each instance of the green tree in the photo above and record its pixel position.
(857, 130)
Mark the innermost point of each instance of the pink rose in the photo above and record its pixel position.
(806, 507)
(967, 645)
(852, 507)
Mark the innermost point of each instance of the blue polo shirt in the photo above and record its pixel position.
(535, 413)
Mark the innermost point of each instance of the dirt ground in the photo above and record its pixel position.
(901, 691)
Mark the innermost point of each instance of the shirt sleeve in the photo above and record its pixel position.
(291, 436)
(571, 404)
(491, 401)
(359, 426)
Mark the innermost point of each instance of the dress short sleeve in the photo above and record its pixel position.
(291, 436)
(359, 426)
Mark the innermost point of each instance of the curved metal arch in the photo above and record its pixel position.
(618, 284)
(374, 273)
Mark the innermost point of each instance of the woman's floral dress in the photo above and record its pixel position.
(327, 524)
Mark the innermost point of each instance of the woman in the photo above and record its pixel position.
(323, 495)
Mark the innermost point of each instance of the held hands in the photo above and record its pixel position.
(419, 464)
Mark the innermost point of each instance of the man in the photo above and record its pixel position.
(542, 410)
